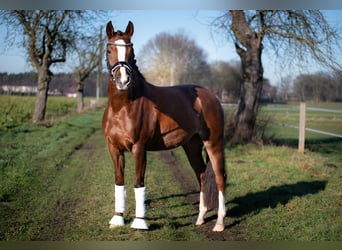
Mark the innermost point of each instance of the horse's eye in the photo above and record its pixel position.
(108, 51)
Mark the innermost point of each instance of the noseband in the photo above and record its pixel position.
(120, 64)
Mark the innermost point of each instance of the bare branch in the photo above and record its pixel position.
(291, 33)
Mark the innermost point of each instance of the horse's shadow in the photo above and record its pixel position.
(254, 203)
(173, 220)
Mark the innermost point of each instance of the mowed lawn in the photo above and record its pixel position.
(56, 183)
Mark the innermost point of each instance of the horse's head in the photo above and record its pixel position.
(119, 51)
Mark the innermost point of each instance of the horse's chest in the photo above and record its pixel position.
(123, 129)
(122, 133)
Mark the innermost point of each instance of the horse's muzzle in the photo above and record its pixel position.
(122, 80)
(122, 86)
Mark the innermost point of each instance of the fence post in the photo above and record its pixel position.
(302, 114)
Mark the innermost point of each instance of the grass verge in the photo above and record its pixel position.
(32, 158)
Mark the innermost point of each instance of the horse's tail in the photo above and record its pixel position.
(210, 194)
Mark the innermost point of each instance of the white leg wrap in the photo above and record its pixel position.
(202, 210)
(120, 196)
(222, 207)
(139, 222)
(221, 213)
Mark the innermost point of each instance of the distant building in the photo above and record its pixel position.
(18, 90)
(25, 90)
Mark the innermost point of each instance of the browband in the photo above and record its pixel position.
(118, 44)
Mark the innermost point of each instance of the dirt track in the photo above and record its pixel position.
(233, 229)
(182, 173)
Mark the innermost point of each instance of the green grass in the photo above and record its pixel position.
(30, 162)
(324, 121)
(276, 193)
(16, 110)
(71, 198)
(169, 216)
(56, 183)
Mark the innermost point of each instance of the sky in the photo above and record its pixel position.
(148, 23)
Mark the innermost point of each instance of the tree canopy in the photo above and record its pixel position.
(170, 59)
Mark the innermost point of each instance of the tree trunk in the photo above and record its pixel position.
(80, 97)
(246, 114)
(252, 73)
(44, 78)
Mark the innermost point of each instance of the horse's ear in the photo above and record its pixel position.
(129, 29)
(110, 29)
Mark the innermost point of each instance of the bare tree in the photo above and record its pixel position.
(284, 88)
(47, 36)
(170, 59)
(338, 85)
(320, 86)
(294, 33)
(226, 80)
(88, 53)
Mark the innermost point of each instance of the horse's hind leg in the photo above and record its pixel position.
(216, 155)
(193, 150)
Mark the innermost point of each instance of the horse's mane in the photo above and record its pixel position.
(133, 63)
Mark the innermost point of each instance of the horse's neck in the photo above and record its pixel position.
(117, 98)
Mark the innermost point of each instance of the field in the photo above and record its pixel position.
(315, 119)
(56, 183)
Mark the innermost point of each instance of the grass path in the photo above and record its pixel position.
(66, 190)
(57, 184)
(90, 205)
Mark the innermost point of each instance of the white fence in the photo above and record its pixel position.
(309, 129)
(302, 121)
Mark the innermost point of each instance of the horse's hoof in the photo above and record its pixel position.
(218, 228)
(199, 222)
(139, 223)
(113, 226)
(116, 221)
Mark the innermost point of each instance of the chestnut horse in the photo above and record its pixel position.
(141, 117)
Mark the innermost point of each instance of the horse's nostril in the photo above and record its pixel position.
(128, 79)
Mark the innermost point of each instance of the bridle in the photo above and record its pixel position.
(119, 44)
(120, 64)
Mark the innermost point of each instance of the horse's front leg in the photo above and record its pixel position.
(120, 192)
(139, 155)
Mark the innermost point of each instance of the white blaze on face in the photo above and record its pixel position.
(121, 58)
